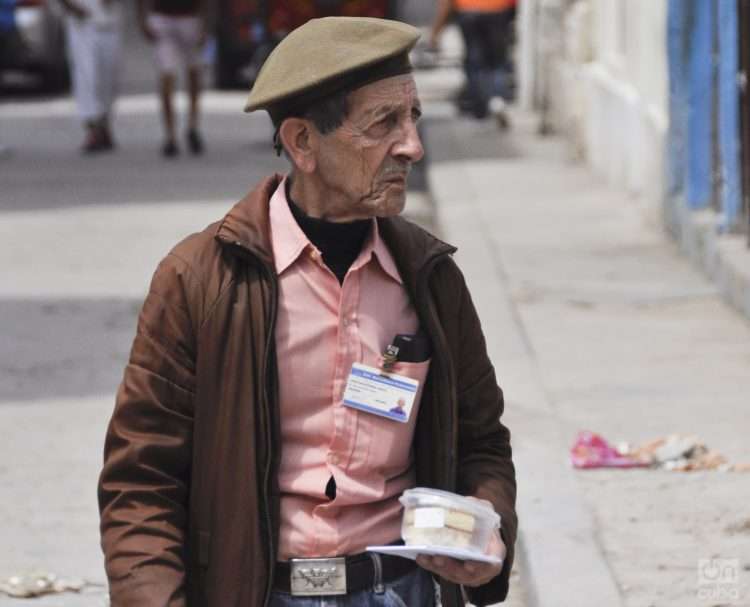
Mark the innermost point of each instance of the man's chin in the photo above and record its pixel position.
(394, 206)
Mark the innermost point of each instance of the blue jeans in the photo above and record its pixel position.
(415, 589)
(487, 62)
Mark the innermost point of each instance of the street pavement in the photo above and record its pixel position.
(593, 320)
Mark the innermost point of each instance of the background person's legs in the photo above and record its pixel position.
(488, 64)
(191, 51)
(167, 50)
(494, 38)
(108, 48)
(470, 24)
(82, 58)
(195, 141)
(166, 93)
(178, 43)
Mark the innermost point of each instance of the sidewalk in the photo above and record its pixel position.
(595, 321)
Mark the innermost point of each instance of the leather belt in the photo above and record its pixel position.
(339, 575)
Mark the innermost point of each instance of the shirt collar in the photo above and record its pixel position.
(289, 241)
(383, 255)
(287, 238)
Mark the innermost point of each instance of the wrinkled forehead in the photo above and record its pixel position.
(394, 92)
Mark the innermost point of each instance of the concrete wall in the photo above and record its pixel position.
(597, 70)
(627, 94)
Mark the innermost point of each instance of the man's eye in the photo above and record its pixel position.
(389, 121)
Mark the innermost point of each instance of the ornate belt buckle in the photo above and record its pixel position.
(318, 577)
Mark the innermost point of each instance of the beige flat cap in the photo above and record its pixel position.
(324, 51)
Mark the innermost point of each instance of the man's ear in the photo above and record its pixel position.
(299, 138)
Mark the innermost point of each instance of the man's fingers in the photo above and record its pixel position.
(445, 567)
(468, 573)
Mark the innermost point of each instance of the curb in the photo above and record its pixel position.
(724, 258)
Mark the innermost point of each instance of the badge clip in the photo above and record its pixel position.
(390, 357)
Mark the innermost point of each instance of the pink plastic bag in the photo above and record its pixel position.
(592, 451)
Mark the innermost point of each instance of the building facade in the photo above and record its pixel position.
(650, 94)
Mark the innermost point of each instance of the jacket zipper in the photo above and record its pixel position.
(269, 435)
(245, 251)
(435, 329)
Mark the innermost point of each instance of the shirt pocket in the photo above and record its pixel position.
(390, 447)
(417, 371)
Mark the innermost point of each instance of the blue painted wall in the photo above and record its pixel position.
(700, 103)
(704, 96)
(729, 115)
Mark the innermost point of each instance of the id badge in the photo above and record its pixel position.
(385, 394)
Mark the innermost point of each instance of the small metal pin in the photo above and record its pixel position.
(390, 357)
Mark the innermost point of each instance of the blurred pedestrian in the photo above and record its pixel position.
(486, 26)
(178, 31)
(94, 30)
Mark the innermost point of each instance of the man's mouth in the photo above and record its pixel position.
(397, 173)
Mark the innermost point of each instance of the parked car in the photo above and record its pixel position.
(247, 30)
(37, 46)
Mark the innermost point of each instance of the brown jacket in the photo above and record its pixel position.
(188, 494)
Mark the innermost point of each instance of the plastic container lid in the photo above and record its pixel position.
(422, 496)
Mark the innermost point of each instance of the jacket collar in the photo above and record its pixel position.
(247, 225)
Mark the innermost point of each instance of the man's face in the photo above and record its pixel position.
(363, 164)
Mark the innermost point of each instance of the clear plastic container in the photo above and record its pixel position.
(439, 518)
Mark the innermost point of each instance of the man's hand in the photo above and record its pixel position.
(467, 573)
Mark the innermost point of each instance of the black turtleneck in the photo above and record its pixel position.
(338, 243)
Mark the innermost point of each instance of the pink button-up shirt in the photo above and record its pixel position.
(322, 329)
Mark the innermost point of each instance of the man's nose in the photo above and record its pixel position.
(409, 147)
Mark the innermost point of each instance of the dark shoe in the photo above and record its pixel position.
(195, 142)
(479, 109)
(93, 143)
(170, 149)
(464, 102)
(106, 138)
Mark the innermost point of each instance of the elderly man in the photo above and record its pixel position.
(239, 469)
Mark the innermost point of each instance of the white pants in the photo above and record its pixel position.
(94, 53)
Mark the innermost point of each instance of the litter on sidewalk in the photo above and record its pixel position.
(39, 583)
(683, 453)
